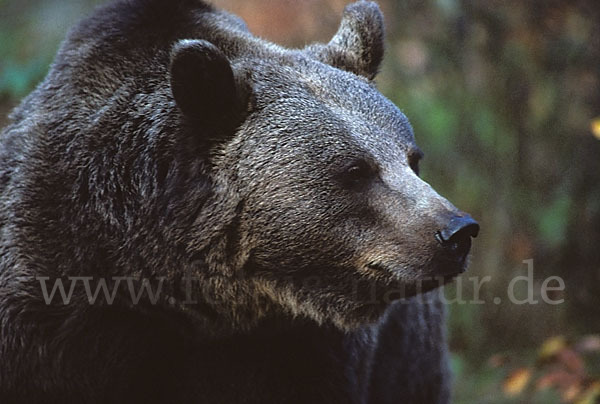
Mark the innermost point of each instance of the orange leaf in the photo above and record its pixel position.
(516, 382)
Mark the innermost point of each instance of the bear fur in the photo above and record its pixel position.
(263, 201)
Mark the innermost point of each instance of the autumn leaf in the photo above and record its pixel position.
(552, 346)
(571, 392)
(595, 127)
(516, 382)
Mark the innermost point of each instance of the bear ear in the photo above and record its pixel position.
(358, 44)
(204, 85)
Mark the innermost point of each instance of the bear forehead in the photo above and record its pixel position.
(335, 108)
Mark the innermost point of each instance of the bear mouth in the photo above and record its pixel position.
(442, 268)
(443, 272)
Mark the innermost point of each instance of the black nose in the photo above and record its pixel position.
(456, 237)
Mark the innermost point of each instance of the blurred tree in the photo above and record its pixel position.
(501, 95)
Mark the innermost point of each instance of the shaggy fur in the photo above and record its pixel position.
(267, 195)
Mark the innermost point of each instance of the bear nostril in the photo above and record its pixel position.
(456, 237)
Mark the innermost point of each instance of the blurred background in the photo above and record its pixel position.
(504, 97)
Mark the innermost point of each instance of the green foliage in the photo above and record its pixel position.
(553, 220)
(30, 33)
(17, 80)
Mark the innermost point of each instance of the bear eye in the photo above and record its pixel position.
(413, 160)
(357, 173)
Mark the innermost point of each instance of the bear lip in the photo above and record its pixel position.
(378, 267)
(445, 270)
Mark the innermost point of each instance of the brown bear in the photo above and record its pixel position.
(191, 214)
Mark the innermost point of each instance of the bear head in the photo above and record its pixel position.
(321, 171)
